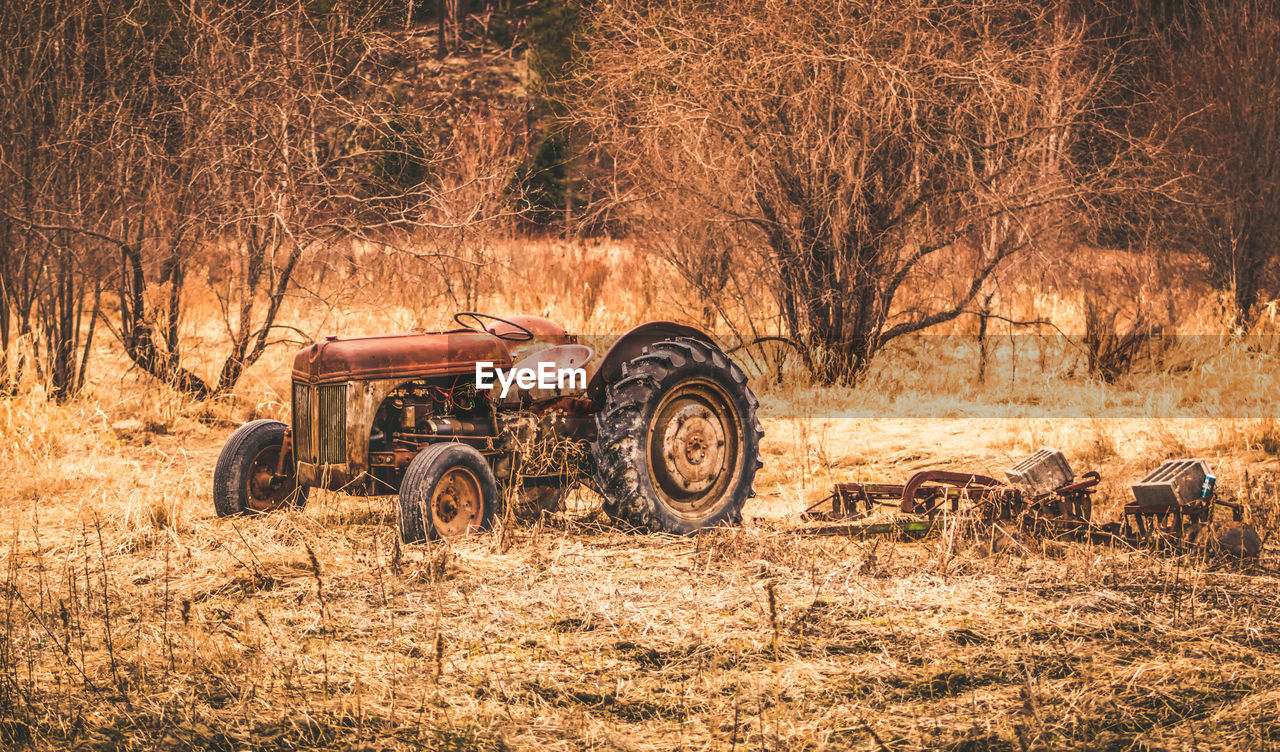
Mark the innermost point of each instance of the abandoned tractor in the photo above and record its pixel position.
(662, 425)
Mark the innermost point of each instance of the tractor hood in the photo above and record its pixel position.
(408, 356)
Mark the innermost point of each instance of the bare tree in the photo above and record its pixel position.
(242, 156)
(232, 137)
(50, 284)
(470, 207)
(1212, 128)
(832, 155)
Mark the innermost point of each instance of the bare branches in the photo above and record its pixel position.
(1210, 131)
(142, 143)
(832, 154)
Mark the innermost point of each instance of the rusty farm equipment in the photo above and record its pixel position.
(1174, 501)
(1041, 495)
(1041, 490)
(662, 423)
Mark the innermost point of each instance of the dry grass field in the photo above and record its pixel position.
(136, 619)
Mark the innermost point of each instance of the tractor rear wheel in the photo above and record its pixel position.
(448, 492)
(678, 442)
(245, 480)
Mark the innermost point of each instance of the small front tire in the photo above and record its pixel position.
(448, 492)
(245, 480)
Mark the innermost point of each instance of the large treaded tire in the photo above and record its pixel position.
(424, 474)
(625, 471)
(231, 482)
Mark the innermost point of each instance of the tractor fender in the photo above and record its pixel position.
(631, 345)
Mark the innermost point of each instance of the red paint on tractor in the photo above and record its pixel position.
(412, 355)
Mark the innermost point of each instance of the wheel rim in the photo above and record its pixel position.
(694, 447)
(457, 505)
(263, 491)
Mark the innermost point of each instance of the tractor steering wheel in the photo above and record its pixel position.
(522, 335)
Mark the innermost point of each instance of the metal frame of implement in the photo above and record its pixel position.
(977, 497)
(1170, 503)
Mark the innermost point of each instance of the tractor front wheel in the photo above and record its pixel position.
(245, 479)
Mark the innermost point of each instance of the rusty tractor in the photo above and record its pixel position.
(663, 425)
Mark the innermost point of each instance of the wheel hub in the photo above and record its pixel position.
(447, 508)
(265, 490)
(693, 447)
(456, 505)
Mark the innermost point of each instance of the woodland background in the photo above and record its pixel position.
(831, 178)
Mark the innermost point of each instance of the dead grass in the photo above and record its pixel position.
(134, 619)
(229, 636)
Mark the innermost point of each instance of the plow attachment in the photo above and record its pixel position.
(1041, 488)
(1172, 505)
(1175, 502)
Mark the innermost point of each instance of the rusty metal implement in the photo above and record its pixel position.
(1042, 490)
(1171, 499)
(1172, 505)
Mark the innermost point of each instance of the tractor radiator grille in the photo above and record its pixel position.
(303, 449)
(332, 417)
(320, 423)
